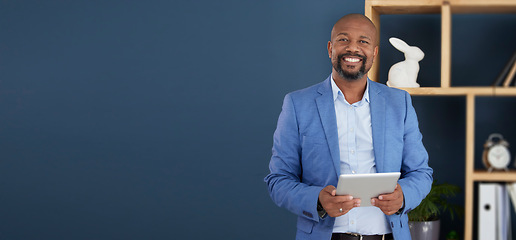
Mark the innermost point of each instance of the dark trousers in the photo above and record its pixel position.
(347, 236)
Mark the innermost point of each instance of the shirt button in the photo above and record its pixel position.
(351, 129)
(352, 151)
(353, 172)
(352, 222)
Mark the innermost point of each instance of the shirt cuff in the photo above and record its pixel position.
(320, 210)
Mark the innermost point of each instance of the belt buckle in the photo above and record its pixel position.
(360, 237)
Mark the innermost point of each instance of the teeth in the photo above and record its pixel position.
(352, 59)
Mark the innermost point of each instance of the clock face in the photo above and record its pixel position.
(499, 157)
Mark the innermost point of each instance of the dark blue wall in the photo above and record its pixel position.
(154, 119)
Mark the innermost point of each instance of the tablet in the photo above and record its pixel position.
(367, 186)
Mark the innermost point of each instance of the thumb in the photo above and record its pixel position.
(331, 190)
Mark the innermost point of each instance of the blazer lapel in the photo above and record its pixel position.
(377, 105)
(326, 108)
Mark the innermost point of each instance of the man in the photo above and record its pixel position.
(348, 124)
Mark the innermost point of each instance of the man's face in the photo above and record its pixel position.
(352, 48)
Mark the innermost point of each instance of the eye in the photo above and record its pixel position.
(343, 40)
(364, 42)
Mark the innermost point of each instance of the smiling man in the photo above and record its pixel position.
(352, 64)
(348, 124)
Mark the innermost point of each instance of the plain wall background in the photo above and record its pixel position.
(154, 120)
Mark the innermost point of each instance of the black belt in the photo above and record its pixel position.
(354, 236)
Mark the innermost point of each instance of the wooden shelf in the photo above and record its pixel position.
(505, 91)
(483, 6)
(405, 6)
(498, 176)
(434, 6)
(462, 91)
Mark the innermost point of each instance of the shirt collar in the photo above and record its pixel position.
(336, 92)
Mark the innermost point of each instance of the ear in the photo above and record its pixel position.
(399, 44)
(329, 49)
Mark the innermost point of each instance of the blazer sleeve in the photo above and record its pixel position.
(285, 179)
(416, 175)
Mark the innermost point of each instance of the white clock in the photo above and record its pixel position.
(496, 153)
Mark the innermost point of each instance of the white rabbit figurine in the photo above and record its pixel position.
(404, 73)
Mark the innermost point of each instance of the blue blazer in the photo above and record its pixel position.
(305, 154)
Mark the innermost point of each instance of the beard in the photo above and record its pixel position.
(337, 65)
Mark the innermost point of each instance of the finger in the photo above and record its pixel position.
(336, 202)
(374, 201)
(390, 196)
(350, 204)
(357, 202)
(385, 205)
(380, 203)
(344, 198)
(387, 197)
(340, 209)
(329, 188)
(347, 206)
(334, 192)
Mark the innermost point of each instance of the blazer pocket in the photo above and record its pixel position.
(314, 154)
(305, 225)
(313, 147)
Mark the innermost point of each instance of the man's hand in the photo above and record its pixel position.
(389, 203)
(336, 206)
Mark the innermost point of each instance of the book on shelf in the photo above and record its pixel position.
(504, 77)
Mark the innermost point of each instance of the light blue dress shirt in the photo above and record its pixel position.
(357, 156)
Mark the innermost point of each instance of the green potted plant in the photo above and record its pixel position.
(424, 220)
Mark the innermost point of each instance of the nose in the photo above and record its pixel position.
(352, 47)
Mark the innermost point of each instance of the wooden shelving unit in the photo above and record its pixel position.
(482, 175)
(375, 8)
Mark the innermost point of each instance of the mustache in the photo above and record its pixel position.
(352, 55)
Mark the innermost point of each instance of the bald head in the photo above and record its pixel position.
(352, 48)
(358, 21)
